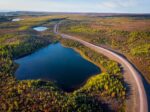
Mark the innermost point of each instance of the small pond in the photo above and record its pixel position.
(56, 63)
(40, 28)
(16, 19)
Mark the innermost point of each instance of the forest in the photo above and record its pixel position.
(101, 93)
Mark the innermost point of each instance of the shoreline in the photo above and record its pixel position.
(70, 90)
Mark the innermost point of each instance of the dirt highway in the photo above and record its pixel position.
(137, 101)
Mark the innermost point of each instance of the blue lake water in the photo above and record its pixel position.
(56, 63)
(40, 28)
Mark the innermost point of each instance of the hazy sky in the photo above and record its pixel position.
(125, 6)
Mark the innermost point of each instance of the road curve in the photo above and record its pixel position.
(140, 103)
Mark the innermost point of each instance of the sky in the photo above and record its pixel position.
(99, 6)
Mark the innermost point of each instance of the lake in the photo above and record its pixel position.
(56, 63)
(40, 28)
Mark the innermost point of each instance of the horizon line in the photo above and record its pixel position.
(6, 11)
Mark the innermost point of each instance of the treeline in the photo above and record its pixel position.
(16, 50)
